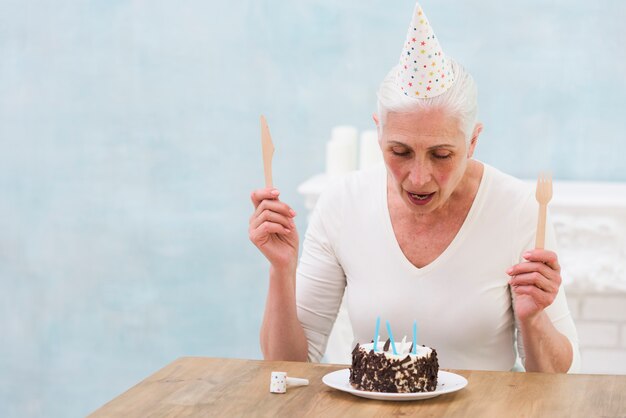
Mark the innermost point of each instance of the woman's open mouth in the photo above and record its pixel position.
(420, 199)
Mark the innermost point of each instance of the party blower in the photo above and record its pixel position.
(280, 382)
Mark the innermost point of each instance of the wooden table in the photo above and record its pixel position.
(196, 386)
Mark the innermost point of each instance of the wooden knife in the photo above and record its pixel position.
(268, 151)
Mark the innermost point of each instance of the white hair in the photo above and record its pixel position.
(461, 99)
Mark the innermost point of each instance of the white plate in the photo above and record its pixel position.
(446, 382)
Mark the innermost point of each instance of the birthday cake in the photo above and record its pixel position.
(404, 372)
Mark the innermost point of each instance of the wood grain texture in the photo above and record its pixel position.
(198, 386)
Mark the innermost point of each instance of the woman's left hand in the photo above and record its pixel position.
(535, 283)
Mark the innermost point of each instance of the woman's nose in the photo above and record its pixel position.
(421, 174)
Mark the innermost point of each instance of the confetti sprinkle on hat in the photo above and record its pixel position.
(424, 70)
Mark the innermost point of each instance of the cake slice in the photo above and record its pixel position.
(383, 371)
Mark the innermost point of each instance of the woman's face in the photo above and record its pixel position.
(426, 156)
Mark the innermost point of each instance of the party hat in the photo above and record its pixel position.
(424, 70)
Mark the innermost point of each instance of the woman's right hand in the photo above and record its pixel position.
(272, 229)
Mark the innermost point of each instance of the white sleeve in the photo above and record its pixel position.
(320, 279)
(558, 312)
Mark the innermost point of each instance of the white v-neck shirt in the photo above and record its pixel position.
(461, 301)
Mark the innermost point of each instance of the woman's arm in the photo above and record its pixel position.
(545, 348)
(535, 284)
(282, 336)
(298, 318)
(274, 233)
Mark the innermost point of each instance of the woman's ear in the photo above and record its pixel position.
(376, 121)
(472, 146)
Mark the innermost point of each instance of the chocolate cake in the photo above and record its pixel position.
(383, 371)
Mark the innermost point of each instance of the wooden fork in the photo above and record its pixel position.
(543, 195)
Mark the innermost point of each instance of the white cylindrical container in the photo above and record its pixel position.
(369, 152)
(344, 132)
(341, 151)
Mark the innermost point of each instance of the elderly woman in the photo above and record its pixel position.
(432, 235)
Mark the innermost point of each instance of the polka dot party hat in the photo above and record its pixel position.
(424, 71)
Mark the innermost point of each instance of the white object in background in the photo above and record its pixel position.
(344, 133)
(279, 382)
(341, 151)
(369, 152)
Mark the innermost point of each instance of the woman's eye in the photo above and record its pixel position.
(443, 156)
(400, 153)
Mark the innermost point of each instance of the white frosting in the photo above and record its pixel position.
(403, 350)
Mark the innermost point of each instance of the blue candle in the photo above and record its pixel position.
(414, 338)
(393, 344)
(376, 333)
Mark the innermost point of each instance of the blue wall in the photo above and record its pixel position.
(130, 143)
